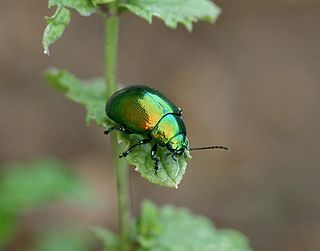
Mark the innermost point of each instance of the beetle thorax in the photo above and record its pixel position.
(167, 128)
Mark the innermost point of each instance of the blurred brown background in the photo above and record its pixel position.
(251, 82)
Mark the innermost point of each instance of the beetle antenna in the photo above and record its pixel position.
(208, 147)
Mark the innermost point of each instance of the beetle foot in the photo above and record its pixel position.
(156, 167)
(174, 157)
(156, 160)
(106, 132)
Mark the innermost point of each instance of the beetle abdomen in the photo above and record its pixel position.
(139, 108)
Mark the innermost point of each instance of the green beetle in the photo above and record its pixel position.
(142, 110)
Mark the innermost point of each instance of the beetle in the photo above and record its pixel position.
(139, 109)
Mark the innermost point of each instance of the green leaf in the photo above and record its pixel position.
(55, 27)
(231, 240)
(170, 171)
(173, 12)
(98, 2)
(92, 95)
(31, 185)
(84, 7)
(8, 227)
(62, 17)
(35, 183)
(148, 225)
(175, 229)
(180, 230)
(65, 239)
(109, 239)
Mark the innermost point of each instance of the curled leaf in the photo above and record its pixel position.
(62, 17)
(56, 25)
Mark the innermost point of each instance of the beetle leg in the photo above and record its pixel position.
(180, 111)
(141, 142)
(119, 128)
(155, 158)
(174, 157)
(109, 130)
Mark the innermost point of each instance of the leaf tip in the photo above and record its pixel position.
(46, 51)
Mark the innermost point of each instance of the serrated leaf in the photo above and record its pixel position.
(178, 225)
(173, 12)
(109, 239)
(84, 7)
(92, 95)
(62, 17)
(55, 27)
(170, 171)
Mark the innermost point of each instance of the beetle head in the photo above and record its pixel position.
(177, 144)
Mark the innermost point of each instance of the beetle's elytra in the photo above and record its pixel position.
(142, 110)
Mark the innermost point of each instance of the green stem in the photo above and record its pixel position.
(121, 167)
(111, 46)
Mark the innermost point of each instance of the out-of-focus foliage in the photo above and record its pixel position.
(109, 239)
(177, 229)
(148, 227)
(27, 186)
(174, 229)
(65, 239)
(8, 227)
(92, 95)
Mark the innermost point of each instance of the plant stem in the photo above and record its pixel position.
(111, 46)
(121, 167)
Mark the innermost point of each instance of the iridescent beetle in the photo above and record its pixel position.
(142, 110)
